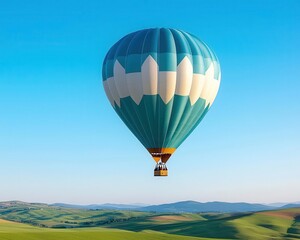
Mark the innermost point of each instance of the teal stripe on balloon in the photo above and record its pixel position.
(166, 42)
(132, 113)
(142, 119)
(127, 119)
(178, 108)
(189, 123)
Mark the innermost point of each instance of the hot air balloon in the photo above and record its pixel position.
(161, 82)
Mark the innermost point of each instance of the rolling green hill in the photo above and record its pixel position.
(279, 224)
(18, 231)
(108, 224)
(44, 215)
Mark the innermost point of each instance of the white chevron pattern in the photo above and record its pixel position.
(151, 81)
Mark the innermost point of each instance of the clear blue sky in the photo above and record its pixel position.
(61, 141)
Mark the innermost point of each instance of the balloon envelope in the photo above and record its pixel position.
(161, 82)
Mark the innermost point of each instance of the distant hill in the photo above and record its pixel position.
(280, 204)
(177, 207)
(19, 203)
(291, 205)
(193, 207)
(98, 206)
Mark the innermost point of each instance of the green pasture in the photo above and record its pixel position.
(19, 231)
(35, 222)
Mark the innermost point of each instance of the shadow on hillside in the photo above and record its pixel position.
(295, 227)
(107, 214)
(216, 228)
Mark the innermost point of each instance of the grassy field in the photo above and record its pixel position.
(18, 231)
(127, 225)
(279, 224)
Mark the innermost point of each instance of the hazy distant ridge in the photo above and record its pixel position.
(192, 206)
(185, 206)
(98, 206)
